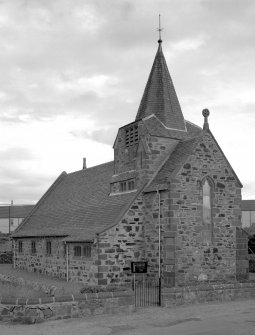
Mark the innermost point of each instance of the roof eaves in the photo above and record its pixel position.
(37, 236)
(71, 239)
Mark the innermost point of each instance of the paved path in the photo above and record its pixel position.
(232, 318)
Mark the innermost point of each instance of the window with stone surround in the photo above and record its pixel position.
(87, 250)
(131, 135)
(48, 248)
(20, 247)
(207, 191)
(84, 250)
(33, 247)
(127, 185)
(77, 251)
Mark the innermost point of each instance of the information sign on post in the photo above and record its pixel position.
(139, 267)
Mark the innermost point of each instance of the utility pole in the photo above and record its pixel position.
(10, 219)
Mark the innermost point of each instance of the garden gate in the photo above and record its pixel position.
(147, 293)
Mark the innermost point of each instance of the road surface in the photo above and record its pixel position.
(230, 318)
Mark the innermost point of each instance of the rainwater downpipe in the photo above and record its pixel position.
(67, 261)
(159, 247)
(14, 254)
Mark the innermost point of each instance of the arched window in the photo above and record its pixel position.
(207, 203)
(207, 191)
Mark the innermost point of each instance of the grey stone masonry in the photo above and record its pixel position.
(79, 268)
(120, 245)
(196, 257)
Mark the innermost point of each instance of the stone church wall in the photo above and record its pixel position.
(196, 258)
(120, 245)
(136, 157)
(79, 269)
(156, 202)
(53, 265)
(160, 148)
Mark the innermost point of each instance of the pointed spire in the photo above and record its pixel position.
(159, 96)
(205, 114)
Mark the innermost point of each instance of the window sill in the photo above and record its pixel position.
(120, 193)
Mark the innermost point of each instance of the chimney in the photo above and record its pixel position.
(84, 164)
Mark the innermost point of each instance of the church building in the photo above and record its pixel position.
(170, 198)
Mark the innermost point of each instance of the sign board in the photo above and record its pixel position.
(139, 267)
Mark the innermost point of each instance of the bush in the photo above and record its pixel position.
(252, 265)
(6, 257)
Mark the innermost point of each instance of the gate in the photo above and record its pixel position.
(147, 293)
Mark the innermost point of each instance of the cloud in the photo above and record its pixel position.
(16, 154)
(73, 72)
(104, 136)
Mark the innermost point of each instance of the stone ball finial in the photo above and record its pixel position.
(205, 112)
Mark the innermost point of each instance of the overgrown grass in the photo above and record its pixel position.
(15, 291)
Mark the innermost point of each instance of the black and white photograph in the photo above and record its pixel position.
(127, 187)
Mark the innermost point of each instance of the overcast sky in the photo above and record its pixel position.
(73, 72)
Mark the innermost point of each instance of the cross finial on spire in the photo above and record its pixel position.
(159, 29)
(205, 114)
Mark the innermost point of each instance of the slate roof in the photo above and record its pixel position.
(159, 96)
(248, 205)
(172, 165)
(77, 205)
(175, 161)
(156, 128)
(15, 211)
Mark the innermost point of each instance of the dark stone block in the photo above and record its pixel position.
(109, 251)
(102, 281)
(187, 166)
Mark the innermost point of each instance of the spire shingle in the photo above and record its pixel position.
(159, 96)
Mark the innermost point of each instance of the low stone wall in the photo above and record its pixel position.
(220, 292)
(53, 308)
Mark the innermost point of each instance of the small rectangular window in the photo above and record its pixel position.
(131, 185)
(123, 186)
(48, 247)
(87, 251)
(20, 247)
(77, 251)
(33, 247)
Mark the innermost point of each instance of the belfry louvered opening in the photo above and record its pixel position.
(131, 135)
